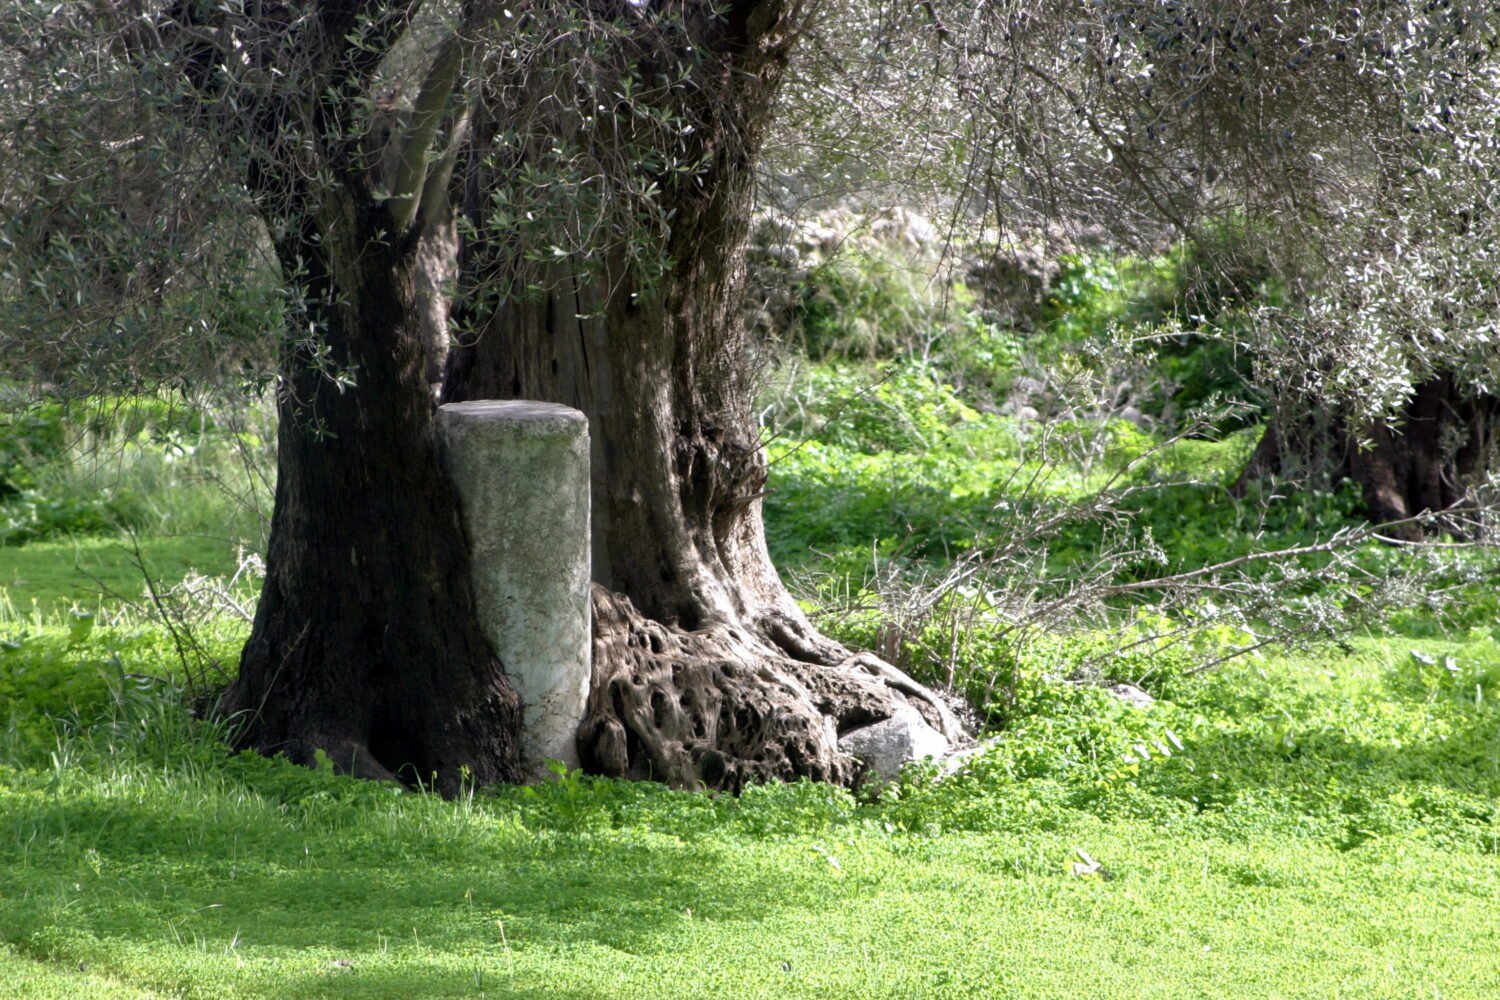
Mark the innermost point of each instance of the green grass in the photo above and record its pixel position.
(894, 462)
(1328, 828)
(215, 894)
(22, 977)
(1320, 824)
(48, 578)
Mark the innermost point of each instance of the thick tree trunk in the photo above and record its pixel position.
(1425, 463)
(365, 644)
(705, 670)
(437, 263)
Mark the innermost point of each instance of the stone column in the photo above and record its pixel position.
(522, 473)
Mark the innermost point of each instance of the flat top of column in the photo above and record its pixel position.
(524, 415)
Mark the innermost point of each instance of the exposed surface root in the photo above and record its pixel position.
(728, 706)
(345, 756)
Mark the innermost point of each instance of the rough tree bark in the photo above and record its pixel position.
(705, 670)
(365, 644)
(1425, 462)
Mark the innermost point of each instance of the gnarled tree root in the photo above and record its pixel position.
(731, 705)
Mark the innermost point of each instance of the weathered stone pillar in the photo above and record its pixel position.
(522, 473)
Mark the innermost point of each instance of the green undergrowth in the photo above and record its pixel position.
(1319, 823)
(137, 464)
(107, 499)
(1314, 826)
(62, 683)
(885, 478)
(886, 464)
(42, 580)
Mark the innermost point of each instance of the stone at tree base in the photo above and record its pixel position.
(960, 757)
(723, 707)
(1132, 695)
(888, 746)
(521, 469)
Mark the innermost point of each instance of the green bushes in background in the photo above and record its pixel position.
(140, 463)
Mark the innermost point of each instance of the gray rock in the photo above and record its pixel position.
(1019, 409)
(890, 745)
(1132, 695)
(955, 760)
(522, 473)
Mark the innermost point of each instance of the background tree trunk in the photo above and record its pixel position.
(1426, 462)
(365, 644)
(705, 670)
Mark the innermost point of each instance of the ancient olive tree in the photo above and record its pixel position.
(705, 670)
(616, 295)
(603, 155)
(1354, 148)
(365, 644)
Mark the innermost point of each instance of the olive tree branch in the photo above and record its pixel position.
(1344, 538)
(413, 178)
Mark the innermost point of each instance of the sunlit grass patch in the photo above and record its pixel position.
(47, 579)
(1344, 850)
(211, 889)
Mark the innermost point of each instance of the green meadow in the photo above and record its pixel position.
(1313, 817)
